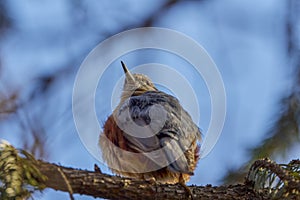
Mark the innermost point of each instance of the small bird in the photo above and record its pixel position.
(149, 136)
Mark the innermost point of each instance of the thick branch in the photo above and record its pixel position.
(19, 169)
(101, 185)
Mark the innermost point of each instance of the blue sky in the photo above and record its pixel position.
(246, 40)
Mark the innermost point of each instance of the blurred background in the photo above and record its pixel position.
(255, 44)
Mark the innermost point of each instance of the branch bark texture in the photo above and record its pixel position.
(97, 184)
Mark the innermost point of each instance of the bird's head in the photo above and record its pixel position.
(136, 84)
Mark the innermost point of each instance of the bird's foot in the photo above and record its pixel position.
(186, 188)
(149, 178)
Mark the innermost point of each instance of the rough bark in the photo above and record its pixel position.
(97, 184)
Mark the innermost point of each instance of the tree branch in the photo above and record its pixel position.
(97, 184)
(21, 175)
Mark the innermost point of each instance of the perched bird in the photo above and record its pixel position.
(149, 135)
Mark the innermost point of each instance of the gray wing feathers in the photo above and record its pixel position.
(175, 155)
(156, 120)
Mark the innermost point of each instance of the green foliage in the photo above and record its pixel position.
(19, 177)
(284, 133)
(280, 181)
(283, 136)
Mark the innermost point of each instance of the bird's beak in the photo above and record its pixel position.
(129, 76)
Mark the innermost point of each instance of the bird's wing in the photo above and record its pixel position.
(156, 122)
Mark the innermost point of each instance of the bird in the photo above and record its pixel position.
(149, 135)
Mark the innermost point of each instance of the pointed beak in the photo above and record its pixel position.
(129, 76)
